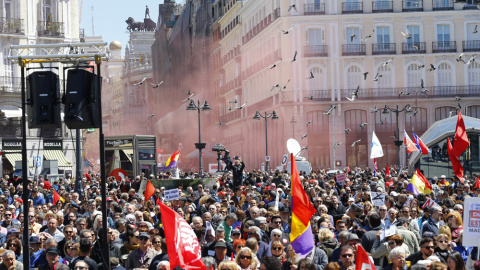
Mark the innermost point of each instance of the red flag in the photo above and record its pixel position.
(182, 243)
(363, 261)
(348, 168)
(157, 202)
(88, 177)
(460, 142)
(477, 183)
(149, 190)
(57, 197)
(457, 167)
(387, 171)
(47, 185)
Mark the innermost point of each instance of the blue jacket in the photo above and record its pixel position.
(430, 227)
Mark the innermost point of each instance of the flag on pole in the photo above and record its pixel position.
(375, 167)
(57, 197)
(362, 260)
(419, 184)
(172, 160)
(409, 145)
(182, 244)
(301, 236)
(420, 145)
(477, 184)
(460, 142)
(348, 168)
(376, 149)
(149, 191)
(387, 170)
(140, 59)
(457, 167)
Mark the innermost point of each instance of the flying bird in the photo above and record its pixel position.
(386, 62)
(141, 82)
(450, 113)
(337, 144)
(287, 31)
(241, 107)
(401, 93)
(351, 99)
(156, 85)
(355, 93)
(275, 64)
(308, 123)
(150, 116)
(394, 135)
(311, 76)
(457, 98)
(294, 57)
(363, 125)
(309, 97)
(432, 68)
(304, 136)
(460, 58)
(188, 92)
(377, 76)
(374, 110)
(285, 86)
(355, 142)
(188, 98)
(475, 30)
(381, 122)
(424, 90)
(235, 101)
(370, 35)
(330, 109)
(346, 131)
(352, 37)
(471, 60)
(415, 113)
(406, 34)
(219, 122)
(292, 6)
(416, 46)
(277, 86)
(365, 75)
(421, 66)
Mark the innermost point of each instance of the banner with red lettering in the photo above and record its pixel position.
(183, 247)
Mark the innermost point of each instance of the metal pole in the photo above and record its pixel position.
(200, 169)
(398, 135)
(266, 143)
(78, 155)
(26, 191)
(104, 242)
(334, 147)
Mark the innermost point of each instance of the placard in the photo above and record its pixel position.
(171, 194)
(341, 177)
(471, 222)
(430, 203)
(378, 198)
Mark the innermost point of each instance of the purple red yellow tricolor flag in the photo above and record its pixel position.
(172, 160)
(301, 236)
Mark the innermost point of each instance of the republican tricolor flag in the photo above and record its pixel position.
(172, 160)
(409, 145)
(420, 145)
(419, 184)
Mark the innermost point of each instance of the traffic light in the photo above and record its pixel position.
(82, 100)
(43, 94)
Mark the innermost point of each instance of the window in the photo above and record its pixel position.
(47, 10)
(444, 112)
(314, 37)
(7, 67)
(353, 35)
(470, 34)
(8, 9)
(474, 74)
(414, 75)
(357, 155)
(443, 33)
(316, 82)
(386, 80)
(354, 77)
(414, 31)
(383, 34)
(444, 72)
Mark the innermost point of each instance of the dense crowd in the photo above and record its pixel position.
(242, 222)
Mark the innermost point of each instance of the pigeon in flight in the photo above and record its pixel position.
(457, 98)
(450, 113)
(370, 35)
(421, 66)
(416, 46)
(304, 136)
(330, 109)
(293, 6)
(424, 90)
(141, 82)
(374, 110)
(363, 125)
(365, 75)
(294, 57)
(386, 62)
(156, 85)
(188, 92)
(475, 30)
(309, 97)
(189, 97)
(287, 31)
(346, 131)
(355, 142)
(377, 76)
(352, 37)
(311, 76)
(406, 34)
(432, 68)
(285, 86)
(337, 144)
(308, 123)
(241, 107)
(471, 60)
(150, 116)
(235, 101)
(460, 58)
(276, 85)
(275, 64)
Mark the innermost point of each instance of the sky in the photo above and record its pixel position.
(109, 17)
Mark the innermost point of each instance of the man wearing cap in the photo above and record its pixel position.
(143, 255)
(53, 257)
(220, 252)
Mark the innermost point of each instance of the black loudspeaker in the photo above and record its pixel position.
(43, 96)
(82, 100)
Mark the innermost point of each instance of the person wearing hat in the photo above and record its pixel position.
(220, 251)
(143, 255)
(353, 240)
(53, 257)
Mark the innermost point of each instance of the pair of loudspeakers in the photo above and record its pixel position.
(81, 100)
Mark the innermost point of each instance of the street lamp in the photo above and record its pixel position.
(258, 116)
(397, 111)
(205, 107)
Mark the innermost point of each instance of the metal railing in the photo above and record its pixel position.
(352, 7)
(382, 6)
(444, 46)
(413, 5)
(471, 45)
(11, 26)
(383, 48)
(314, 9)
(315, 50)
(50, 29)
(413, 47)
(9, 84)
(353, 49)
(442, 4)
(413, 92)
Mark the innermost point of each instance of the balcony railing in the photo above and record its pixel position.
(314, 9)
(471, 45)
(353, 49)
(9, 84)
(352, 7)
(50, 29)
(315, 50)
(444, 46)
(384, 48)
(413, 5)
(442, 4)
(11, 26)
(261, 25)
(413, 47)
(308, 95)
(382, 6)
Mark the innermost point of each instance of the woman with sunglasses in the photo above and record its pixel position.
(381, 250)
(454, 221)
(398, 257)
(15, 245)
(277, 251)
(157, 243)
(245, 259)
(444, 247)
(237, 245)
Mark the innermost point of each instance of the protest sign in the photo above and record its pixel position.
(341, 177)
(471, 222)
(171, 194)
(378, 199)
(430, 203)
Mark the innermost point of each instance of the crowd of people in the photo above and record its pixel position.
(242, 222)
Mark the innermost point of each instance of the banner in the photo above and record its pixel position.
(471, 222)
(378, 198)
(341, 178)
(171, 194)
(430, 203)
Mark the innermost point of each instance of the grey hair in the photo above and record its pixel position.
(259, 220)
(322, 206)
(50, 241)
(396, 251)
(231, 216)
(8, 252)
(256, 229)
(437, 208)
(220, 229)
(343, 233)
(434, 258)
(276, 231)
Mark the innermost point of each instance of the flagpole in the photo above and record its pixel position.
(397, 111)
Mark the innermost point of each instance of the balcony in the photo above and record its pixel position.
(412, 5)
(260, 26)
(315, 51)
(352, 7)
(444, 46)
(383, 48)
(382, 6)
(413, 48)
(442, 5)
(308, 95)
(314, 9)
(353, 49)
(11, 26)
(50, 29)
(471, 46)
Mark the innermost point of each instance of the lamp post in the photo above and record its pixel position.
(258, 116)
(205, 107)
(293, 122)
(397, 111)
(219, 148)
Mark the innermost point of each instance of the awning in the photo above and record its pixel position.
(11, 111)
(16, 156)
(128, 153)
(59, 156)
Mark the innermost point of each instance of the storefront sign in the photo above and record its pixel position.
(119, 143)
(52, 144)
(12, 144)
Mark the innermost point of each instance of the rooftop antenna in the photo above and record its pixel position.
(93, 28)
